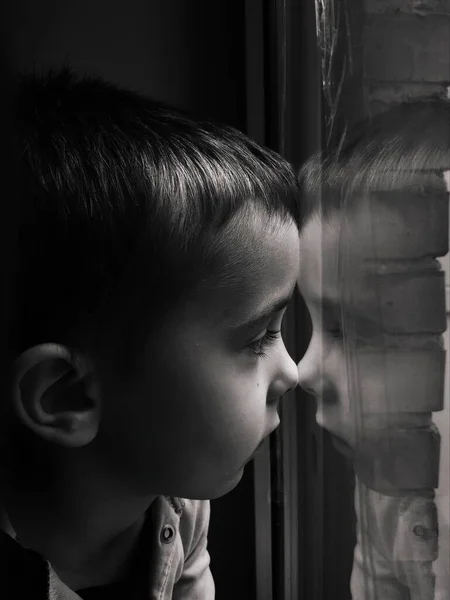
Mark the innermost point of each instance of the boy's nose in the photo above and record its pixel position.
(291, 376)
(287, 378)
(310, 376)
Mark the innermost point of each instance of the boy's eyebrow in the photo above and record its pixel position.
(266, 312)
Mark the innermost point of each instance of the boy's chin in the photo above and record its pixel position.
(230, 485)
(219, 490)
(233, 480)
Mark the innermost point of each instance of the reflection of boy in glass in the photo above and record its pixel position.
(377, 216)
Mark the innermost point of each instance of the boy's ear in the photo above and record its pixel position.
(56, 395)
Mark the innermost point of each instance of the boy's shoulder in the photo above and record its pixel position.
(23, 573)
(177, 535)
(396, 542)
(181, 538)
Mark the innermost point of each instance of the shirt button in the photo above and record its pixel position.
(167, 534)
(422, 532)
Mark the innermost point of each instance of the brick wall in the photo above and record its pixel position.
(406, 56)
(400, 50)
(406, 50)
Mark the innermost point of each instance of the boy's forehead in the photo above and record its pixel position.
(260, 270)
(267, 272)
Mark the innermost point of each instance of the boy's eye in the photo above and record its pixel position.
(355, 331)
(332, 327)
(335, 333)
(260, 345)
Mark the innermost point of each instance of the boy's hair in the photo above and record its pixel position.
(125, 201)
(404, 148)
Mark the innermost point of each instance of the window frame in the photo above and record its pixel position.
(297, 469)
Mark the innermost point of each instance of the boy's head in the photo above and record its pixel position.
(362, 208)
(148, 242)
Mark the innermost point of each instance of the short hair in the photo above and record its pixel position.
(406, 147)
(124, 198)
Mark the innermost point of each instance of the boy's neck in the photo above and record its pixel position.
(86, 529)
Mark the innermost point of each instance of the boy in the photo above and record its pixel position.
(375, 220)
(157, 258)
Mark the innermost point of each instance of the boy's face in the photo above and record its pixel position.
(188, 424)
(338, 282)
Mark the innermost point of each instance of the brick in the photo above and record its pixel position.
(394, 92)
(412, 342)
(382, 393)
(421, 7)
(403, 300)
(407, 48)
(427, 7)
(413, 225)
(445, 264)
(394, 421)
(412, 181)
(388, 461)
(411, 302)
(381, 96)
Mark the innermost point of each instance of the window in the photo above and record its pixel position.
(310, 519)
(304, 515)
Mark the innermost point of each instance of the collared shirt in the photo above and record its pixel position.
(397, 550)
(178, 559)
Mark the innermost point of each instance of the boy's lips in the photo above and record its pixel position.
(264, 439)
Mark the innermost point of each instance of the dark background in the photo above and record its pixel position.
(221, 59)
(192, 55)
